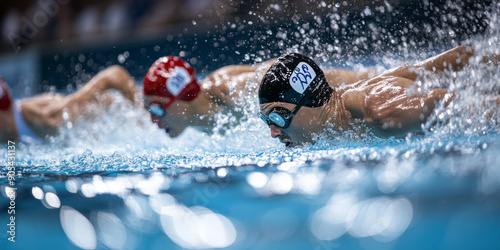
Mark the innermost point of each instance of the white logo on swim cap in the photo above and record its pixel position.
(178, 81)
(302, 77)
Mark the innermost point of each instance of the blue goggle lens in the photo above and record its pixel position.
(156, 110)
(277, 119)
(278, 116)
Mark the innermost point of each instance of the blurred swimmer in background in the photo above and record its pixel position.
(298, 103)
(171, 94)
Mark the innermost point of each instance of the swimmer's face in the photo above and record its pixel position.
(176, 118)
(303, 127)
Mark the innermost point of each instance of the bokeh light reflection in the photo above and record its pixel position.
(161, 203)
(52, 200)
(393, 173)
(72, 186)
(329, 222)
(257, 179)
(111, 230)
(197, 227)
(78, 228)
(281, 183)
(88, 190)
(382, 218)
(37, 193)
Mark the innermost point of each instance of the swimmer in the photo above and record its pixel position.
(297, 102)
(171, 94)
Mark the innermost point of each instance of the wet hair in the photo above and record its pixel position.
(294, 77)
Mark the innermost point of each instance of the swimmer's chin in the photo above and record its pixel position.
(169, 132)
(298, 144)
(173, 133)
(291, 144)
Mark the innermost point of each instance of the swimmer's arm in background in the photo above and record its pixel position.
(237, 74)
(221, 75)
(114, 77)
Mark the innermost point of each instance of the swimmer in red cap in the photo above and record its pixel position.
(172, 95)
(298, 104)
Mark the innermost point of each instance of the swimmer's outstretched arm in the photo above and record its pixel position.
(114, 77)
(454, 59)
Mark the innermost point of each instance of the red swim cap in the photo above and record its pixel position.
(171, 77)
(5, 99)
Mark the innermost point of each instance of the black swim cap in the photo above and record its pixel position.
(292, 77)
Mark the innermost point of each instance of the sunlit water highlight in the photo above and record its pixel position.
(119, 182)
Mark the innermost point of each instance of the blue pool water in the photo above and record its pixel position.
(397, 195)
(118, 182)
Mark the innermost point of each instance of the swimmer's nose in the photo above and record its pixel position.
(275, 131)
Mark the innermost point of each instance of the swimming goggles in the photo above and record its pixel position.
(282, 117)
(157, 109)
(278, 116)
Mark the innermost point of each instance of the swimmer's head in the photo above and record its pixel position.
(171, 77)
(293, 81)
(295, 78)
(169, 80)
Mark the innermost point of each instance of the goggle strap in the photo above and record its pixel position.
(166, 105)
(299, 105)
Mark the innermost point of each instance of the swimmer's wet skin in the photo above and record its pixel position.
(297, 103)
